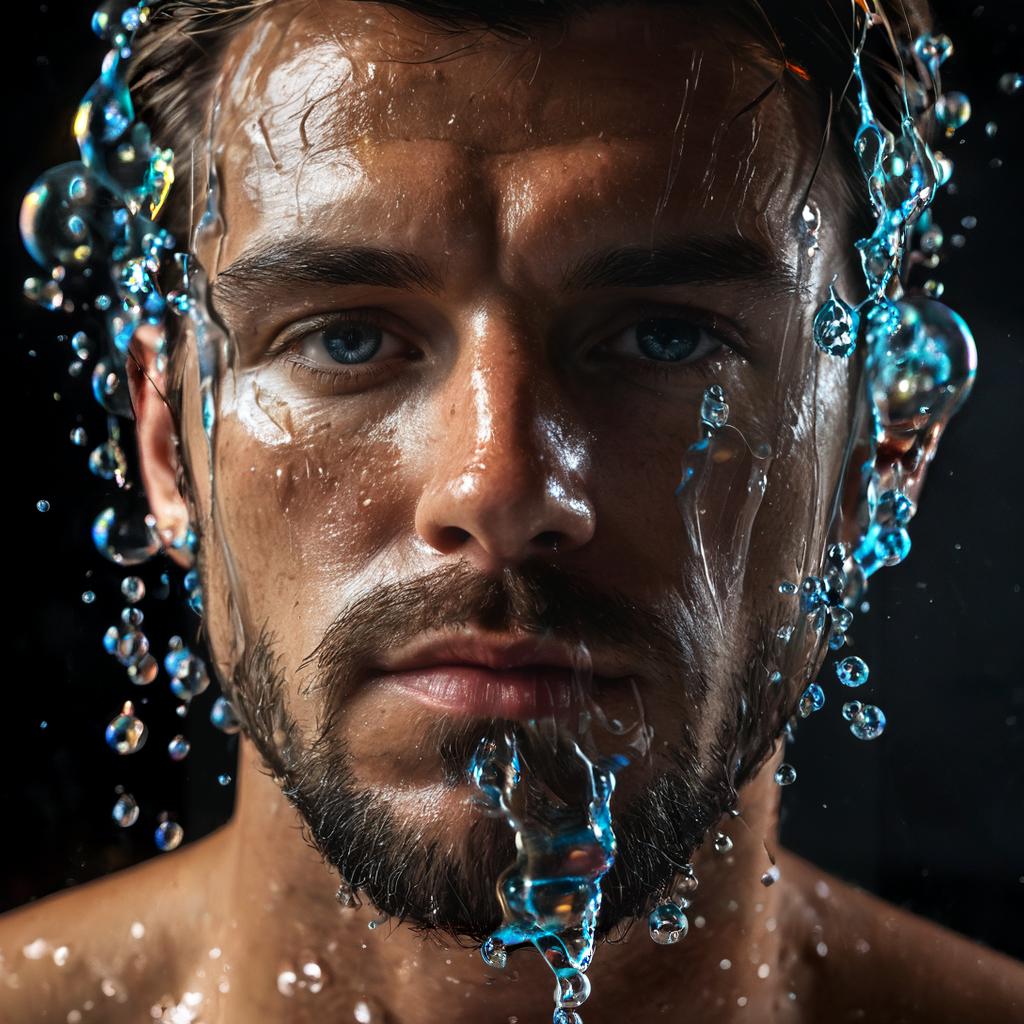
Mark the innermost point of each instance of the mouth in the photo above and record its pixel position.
(498, 676)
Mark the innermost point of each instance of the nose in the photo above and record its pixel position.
(507, 483)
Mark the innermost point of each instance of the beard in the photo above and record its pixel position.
(445, 880)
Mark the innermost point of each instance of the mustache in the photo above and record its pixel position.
(536, 599)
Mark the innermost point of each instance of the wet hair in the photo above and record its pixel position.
(177, 56)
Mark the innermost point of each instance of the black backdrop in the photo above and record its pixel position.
(930, 817)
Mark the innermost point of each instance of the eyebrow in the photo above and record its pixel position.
(690, 260)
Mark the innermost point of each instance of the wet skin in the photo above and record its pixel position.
(511, 415)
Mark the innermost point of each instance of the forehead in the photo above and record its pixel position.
(349, 118)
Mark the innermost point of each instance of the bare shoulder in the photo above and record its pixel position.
(88, 948)
(880, 963)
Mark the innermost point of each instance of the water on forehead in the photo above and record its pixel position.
(308, 88)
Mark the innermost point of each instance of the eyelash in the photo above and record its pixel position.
(286, 348)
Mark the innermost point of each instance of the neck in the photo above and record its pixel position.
(272, 911)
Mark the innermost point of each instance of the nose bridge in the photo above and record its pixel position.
(501, 488)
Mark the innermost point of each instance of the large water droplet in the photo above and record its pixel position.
(494, 953)
(667, 924)
(572, 990)
(869, 724)
(126, 535)
(852, 671)
(785, 775)
(835, 326)
(952, 111)
(178, 748)
(223, 716)
(168, 835)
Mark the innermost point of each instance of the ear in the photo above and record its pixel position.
(157, 441)
(914, 382)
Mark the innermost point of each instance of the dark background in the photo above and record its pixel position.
(930, 817)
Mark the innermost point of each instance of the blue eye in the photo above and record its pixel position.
(352, 342)
(667, 339)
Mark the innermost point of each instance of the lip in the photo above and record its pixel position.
(496, 676)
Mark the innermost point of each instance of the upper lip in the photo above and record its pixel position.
(499, 652)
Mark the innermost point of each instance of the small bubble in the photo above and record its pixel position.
(1011, 83)
(785, 775)
(869, 724)
(178, 748)
(168, 835)
(126, 734)
(43, 505)
(126, 811)
(852, 671)
(133, 589)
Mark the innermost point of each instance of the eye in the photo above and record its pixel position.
(665, 339)
(350, 339)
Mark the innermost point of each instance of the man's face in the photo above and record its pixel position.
(446, 475)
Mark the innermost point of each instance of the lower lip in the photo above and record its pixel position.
(475, 691)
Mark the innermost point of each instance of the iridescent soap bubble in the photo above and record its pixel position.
(126, 535)
(785, 775)
(168, 835)
(108, 462)
(952, 111)
(126, 734)
(869, 723)
(835, 326)
(126, 811)
(852, 671)
(667, 924)
(223, 716)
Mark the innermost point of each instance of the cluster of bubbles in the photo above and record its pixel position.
(92, 226)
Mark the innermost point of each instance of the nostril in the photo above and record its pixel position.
(548, 540)
(451, 538)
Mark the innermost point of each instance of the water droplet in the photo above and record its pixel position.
(852, 671)
(178, 748)
(770, 877)
(784, 633)
(667, 924)
(362, 1014)
(835, 326)
(714, 410)
(144, 672)
(1011, 83)
(189, 676)
(46, 293)
(787, 588)
(933, 50)
(126, 734)
(127, 537)
(88, 597)
(223, 716)
(869, 724)
(126, 643)
(812, 699)
(851, 709)
(79, 437)
(43, 505)
(126, 811)
(684, 885)
(563, 1016)
(224, 779)
(108, 462)
(287, 983)
(572, 990)
(494, 953)
(110, 388)
(723, 844)
(346, 895)
(952, 111)
(133, 589)
(785, 775)
(61, 955)
(168, 835)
